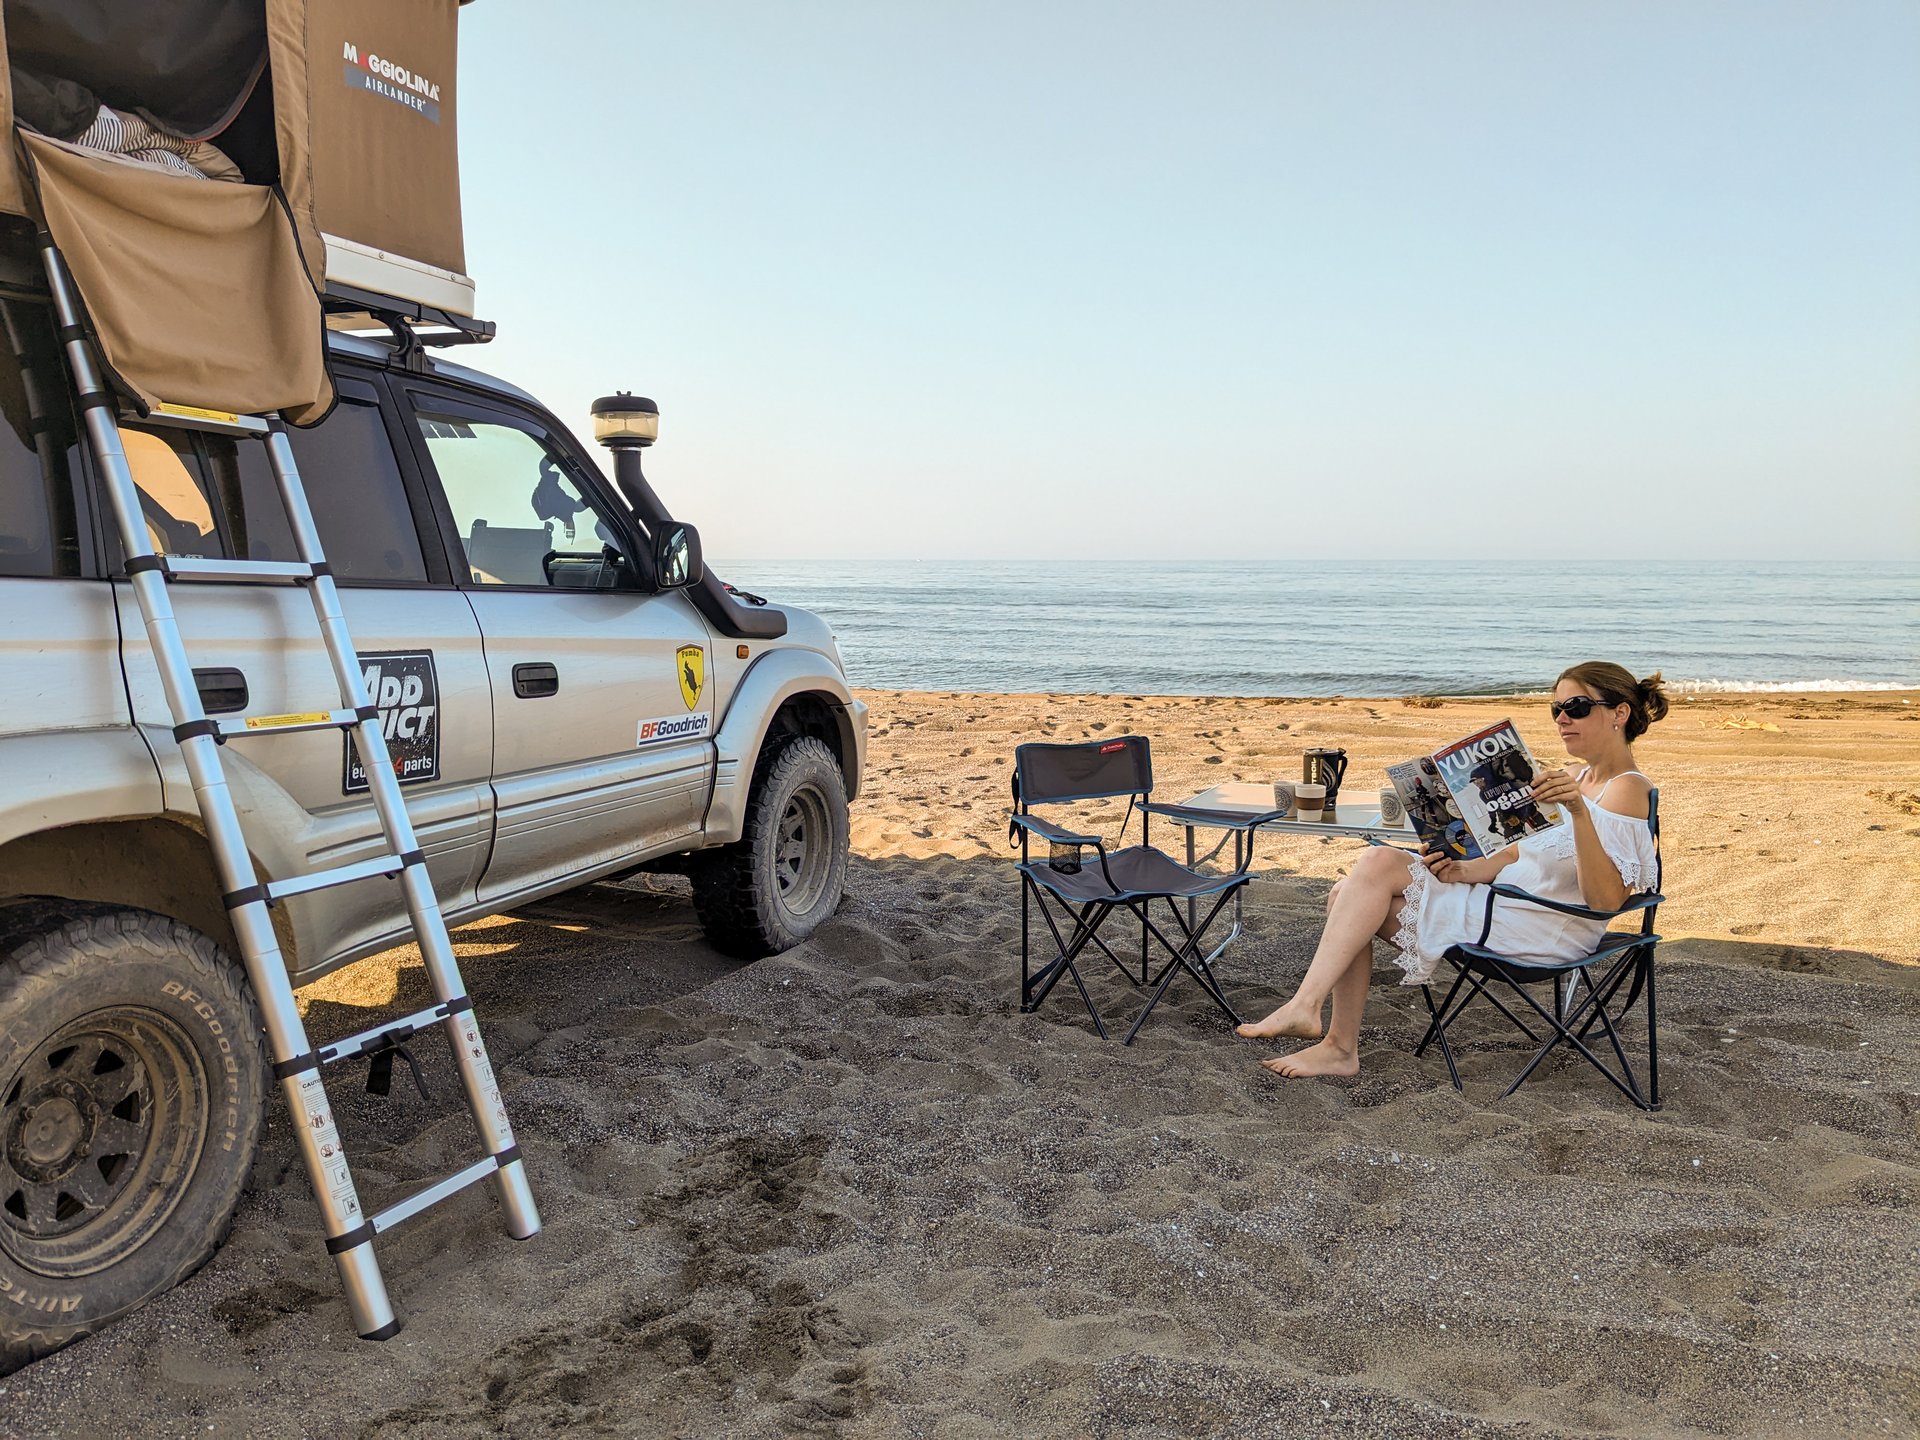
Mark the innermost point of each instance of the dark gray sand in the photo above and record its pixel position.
(849, 1191)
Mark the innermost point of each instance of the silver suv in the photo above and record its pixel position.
(563, 703)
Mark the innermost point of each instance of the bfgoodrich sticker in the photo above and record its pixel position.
(403, 688)
(673, 727)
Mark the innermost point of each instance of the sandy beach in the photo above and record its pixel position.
(852, 1191)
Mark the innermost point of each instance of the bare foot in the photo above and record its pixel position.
(1322, 1059)
(1292, 1020)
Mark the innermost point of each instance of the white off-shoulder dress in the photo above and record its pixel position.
(1437, 915)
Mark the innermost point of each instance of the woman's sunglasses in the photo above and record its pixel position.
(1577, 707)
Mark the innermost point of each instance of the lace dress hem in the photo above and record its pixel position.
(1406, 934)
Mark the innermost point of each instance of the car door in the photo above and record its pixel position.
(256, 649)
(603, 717)
(59, 636)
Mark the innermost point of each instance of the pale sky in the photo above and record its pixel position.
(1210, 280)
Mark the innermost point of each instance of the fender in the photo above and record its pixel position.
(774, 678)
(68, 777)
(324, 929)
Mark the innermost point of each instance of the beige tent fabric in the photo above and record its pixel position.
(381, 125)
(287, 59)
(364, 117)
(195, 287)
(14, 199)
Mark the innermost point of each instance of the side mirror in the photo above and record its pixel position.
(676, 556)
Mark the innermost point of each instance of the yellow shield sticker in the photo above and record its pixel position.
(693, 672)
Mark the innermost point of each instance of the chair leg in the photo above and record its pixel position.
(1086, 923)
(1202, 966)
(1026, 965)
(1087, 1000)
(1653, 1031)
(1563, 1033)
(1433, 1025)
(1183, 957)
(1436, 1029)
(1166, 979)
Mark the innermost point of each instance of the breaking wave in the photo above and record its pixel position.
(1735, 687)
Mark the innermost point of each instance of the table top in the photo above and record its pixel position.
(1247, 797)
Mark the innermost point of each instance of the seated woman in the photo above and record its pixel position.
(1421, 905)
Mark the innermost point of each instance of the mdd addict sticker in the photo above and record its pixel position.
(403, 688)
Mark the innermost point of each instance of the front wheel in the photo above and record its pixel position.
(133, 1083)
(774, 886)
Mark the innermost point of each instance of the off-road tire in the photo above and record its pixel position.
(133, 1084)
(774, 886)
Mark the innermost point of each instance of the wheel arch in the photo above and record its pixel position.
(785, 693)
(152, 863)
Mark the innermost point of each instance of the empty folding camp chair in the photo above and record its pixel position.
(1621, 959)
(1086, 892)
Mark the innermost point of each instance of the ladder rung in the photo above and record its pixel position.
(288, 724)
(192, 417)
(365, 1040)
(195, 567)
(339, 875)
(433, 1194)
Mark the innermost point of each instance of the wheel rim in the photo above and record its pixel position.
(100, 1136)
(803, 851)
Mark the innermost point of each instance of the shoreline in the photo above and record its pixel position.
(1676, 690)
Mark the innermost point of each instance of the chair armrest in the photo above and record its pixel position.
(1047, 830)
(1389, 845)
(1634, 903)
(1212, 819)
(1614, 943)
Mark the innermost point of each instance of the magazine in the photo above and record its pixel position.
(1475, 796)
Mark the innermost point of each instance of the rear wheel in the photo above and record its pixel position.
(773, 887)
(133, 1081)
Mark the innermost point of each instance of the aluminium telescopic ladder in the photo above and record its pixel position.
(349, 1230)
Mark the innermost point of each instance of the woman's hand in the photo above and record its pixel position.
(1449, 871)
(1557, 787)
(1446, 869)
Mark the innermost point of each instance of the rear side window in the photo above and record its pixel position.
(39, 448)
(214, 495)
(206, 495)
(359, 502)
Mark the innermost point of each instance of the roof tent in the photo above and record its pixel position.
(210, 167)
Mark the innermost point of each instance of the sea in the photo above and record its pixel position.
(1353, 627)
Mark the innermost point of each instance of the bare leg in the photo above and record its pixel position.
(1339, 1052)
(1360, 907)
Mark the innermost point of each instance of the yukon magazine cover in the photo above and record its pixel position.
(1475, 796)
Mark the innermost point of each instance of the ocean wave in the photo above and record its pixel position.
(1722, 687)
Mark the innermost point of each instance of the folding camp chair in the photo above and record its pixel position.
(1086, 895)
(1622, 958)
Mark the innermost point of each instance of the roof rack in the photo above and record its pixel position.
(414, 326)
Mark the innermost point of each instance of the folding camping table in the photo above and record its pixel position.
(1235, 800)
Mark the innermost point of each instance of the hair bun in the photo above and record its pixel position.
(1653, 697)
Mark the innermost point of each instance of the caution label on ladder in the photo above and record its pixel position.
(317, 1116)
(483, 1070)
(404, 689)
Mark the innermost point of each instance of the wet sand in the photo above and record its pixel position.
(851, 1190)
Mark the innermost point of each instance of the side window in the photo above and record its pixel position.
(359, 501)
(214, 495)
(207, 495)
(39, 449)
(522, 520)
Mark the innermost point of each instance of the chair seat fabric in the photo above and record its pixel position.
(1140, 871)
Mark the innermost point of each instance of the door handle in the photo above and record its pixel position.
(222, 690)
(531, 682)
